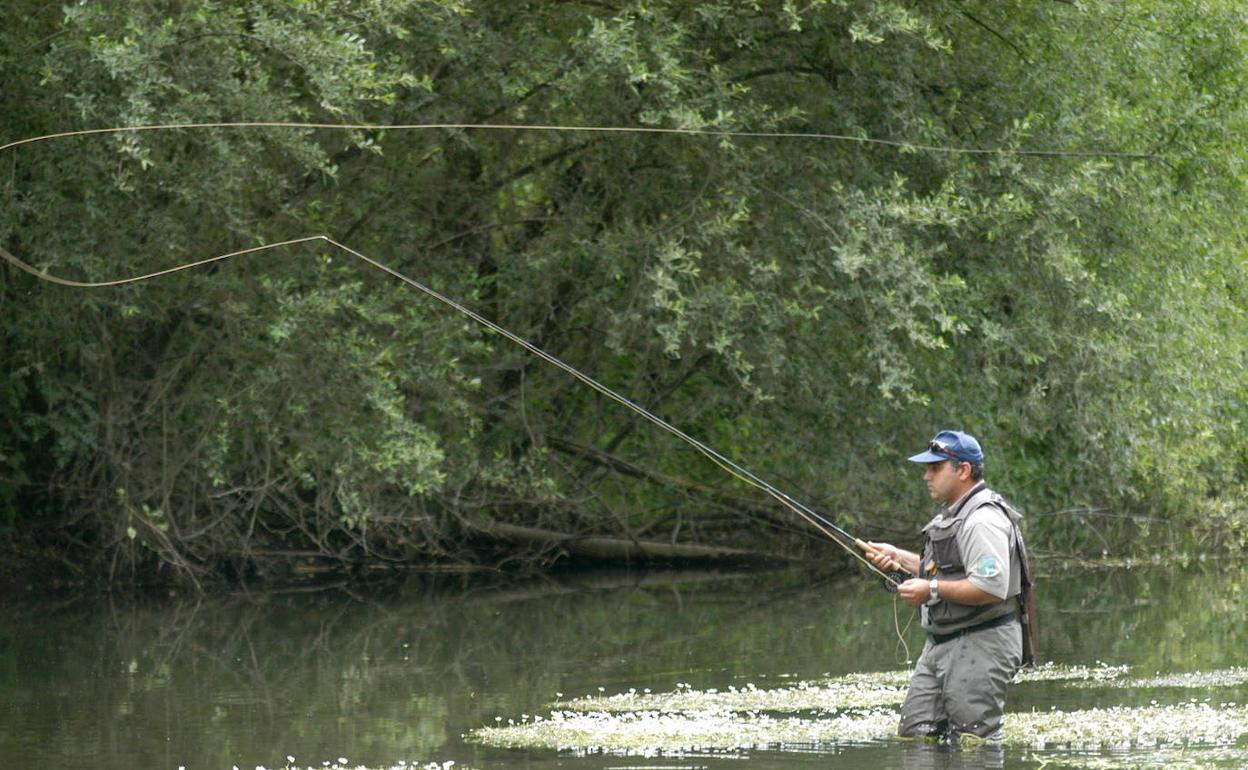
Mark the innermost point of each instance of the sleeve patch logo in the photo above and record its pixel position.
(987, 567)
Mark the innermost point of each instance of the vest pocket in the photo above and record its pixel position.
(948, 558)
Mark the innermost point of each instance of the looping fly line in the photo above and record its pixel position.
(702, 132)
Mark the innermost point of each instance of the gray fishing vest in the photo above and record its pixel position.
(942, 558)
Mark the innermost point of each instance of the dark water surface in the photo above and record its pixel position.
(379, 675)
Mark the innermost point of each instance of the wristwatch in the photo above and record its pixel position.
(933, 591)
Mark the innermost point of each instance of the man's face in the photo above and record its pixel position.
(942, 480)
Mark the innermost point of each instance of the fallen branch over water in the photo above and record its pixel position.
(625, 549)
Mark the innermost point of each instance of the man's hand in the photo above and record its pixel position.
(883, 555)
(915, 591)
(887, 557)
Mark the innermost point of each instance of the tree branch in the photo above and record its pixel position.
(1022, 54)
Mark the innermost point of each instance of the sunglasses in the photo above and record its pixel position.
(941, 447)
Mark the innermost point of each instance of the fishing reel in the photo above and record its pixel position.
(889, 569)
(895, 578)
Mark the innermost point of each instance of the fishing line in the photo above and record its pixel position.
(901, 632)
(704, 132)
(833, 532)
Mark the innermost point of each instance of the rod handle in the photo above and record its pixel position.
(892, 566)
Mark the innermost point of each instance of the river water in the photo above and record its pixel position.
(397, 673)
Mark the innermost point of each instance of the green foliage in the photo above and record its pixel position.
(813, 308)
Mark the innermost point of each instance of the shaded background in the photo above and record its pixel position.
(814, 309)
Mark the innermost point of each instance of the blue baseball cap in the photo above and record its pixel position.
(951, 445)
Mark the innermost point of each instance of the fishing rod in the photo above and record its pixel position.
(828, 528)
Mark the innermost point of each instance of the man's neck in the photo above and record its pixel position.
(969, 489)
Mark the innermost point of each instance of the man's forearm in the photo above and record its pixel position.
(964, 592)
(917, 591)
(908, 560)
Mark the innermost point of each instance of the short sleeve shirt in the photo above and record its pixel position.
(984, 541)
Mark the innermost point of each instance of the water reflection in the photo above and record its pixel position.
(929, 756)
(399, 672)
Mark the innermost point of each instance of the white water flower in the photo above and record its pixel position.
(643, 732)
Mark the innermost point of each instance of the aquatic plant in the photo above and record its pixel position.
(650, 733)
(657, 732)
(1226, 677)
(861, 708)
(1185, 724)
(1205, 758)
(865, 690)
(342, 764)
(1053, 672)
(851, 691)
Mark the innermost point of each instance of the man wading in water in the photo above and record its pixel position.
(967, 586)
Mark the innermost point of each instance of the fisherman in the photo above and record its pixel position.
(967, 584)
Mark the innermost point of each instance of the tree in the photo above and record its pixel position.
(812, 308)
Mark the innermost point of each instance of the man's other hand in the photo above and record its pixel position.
(915, 592)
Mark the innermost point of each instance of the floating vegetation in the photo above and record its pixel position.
(885, 688)
(861, 708)
(650, 733)
(342, 763)
(852, 691)
(1052, 672)
(1206, 758)
(1226, 677)
(1185, 724)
